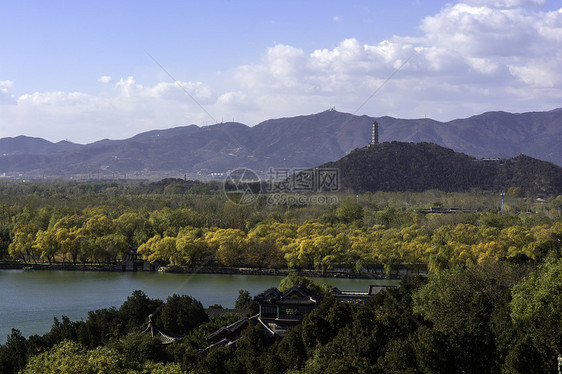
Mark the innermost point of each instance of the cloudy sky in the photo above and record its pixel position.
(88, 70)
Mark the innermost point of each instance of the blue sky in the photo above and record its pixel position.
(83, 71)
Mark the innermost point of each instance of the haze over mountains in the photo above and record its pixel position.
(296, 142)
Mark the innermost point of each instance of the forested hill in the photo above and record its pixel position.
(398, 166)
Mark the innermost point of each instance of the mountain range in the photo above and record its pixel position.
(295, 142)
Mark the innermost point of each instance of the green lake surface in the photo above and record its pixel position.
(29, 300)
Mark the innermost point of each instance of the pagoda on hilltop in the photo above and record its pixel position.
(375, 136)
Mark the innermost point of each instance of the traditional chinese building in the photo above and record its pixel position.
(375, 135)
(359, 296)
(281, 311)
(155, 332)
(229, 335)
(132, 261)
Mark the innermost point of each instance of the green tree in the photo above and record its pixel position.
(113, 245)
(47, 243)
(181, 314)
(13, 353)
(245, 301)
(349, 211)
(139, 349)
(291, 349)
(21, 246)
(162, 249)
(192, 246)
(70, 357)
(160, 220)
(537, 306)
(73, 242)
(230, 246)
(130, 225)
(293, 279)
(135, 310)
(263, 252)
(461, 305)
(251, 350)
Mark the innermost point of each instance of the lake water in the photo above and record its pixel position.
(29, 300)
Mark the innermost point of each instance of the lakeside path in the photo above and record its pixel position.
(377, 273)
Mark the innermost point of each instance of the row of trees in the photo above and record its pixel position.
(91, 235)
(189, 223)
(326, 246)
(341, 239)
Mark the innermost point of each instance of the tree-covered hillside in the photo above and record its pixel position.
(398, 166)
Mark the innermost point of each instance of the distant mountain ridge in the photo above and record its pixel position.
(295, 142)
(21, 145)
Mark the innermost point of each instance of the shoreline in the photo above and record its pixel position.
(7, 265)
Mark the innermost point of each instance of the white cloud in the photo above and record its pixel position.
(105, 79)
(549, 27)
(181, 91)
(128, 87)
(6, 97)
(483, 65)
(481, 31)
(472, 57)
(495, 40)
(126, 109)
(6, 85)
(233, 98)
(284, 63)
(507, 3)
(539, 73)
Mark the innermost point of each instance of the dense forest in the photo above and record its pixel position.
(490, 304)
(190, 223)
(495, 317)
